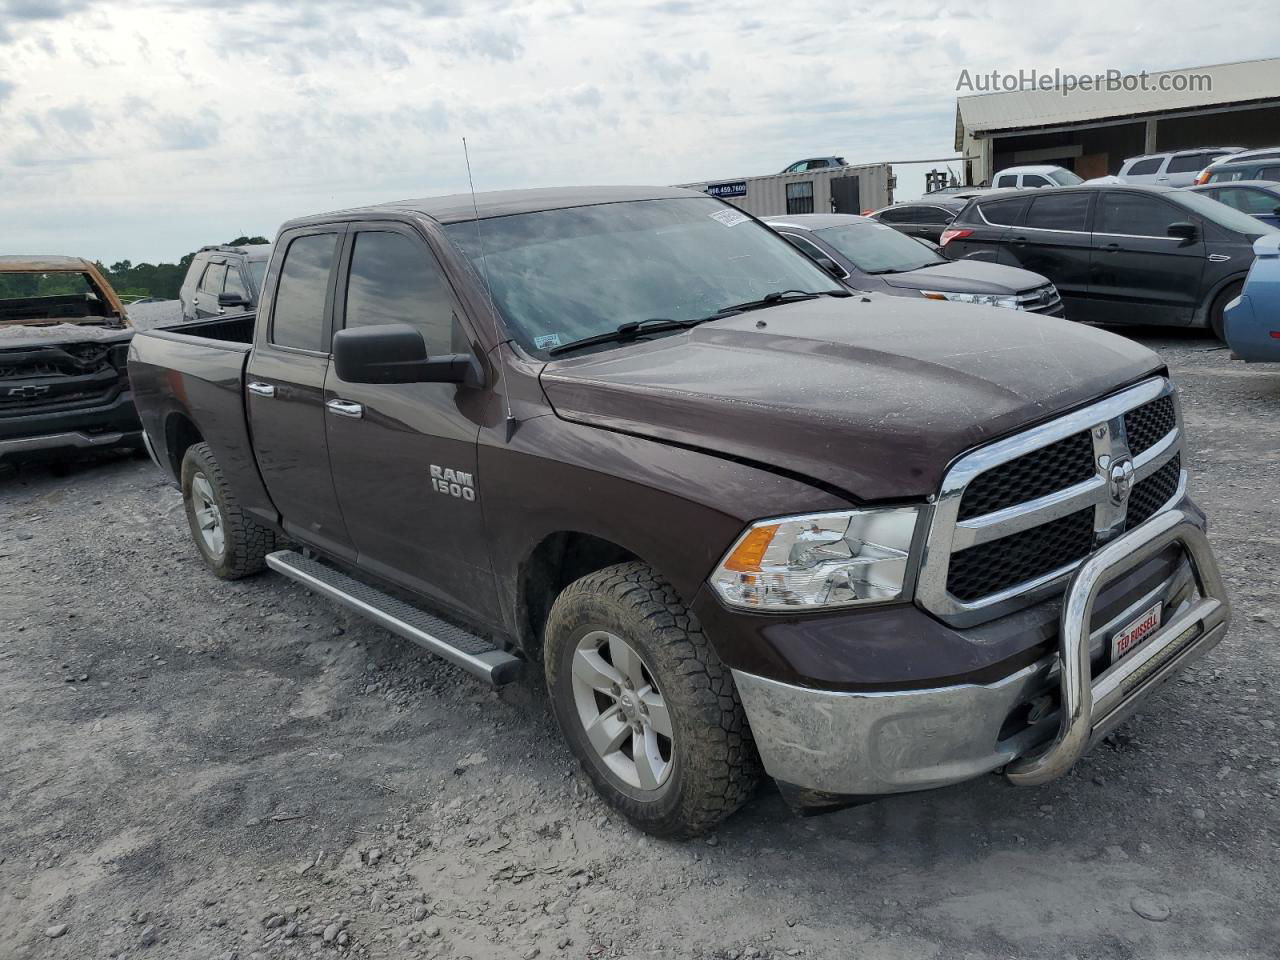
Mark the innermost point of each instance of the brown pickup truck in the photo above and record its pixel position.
(743, 517)
(64, 343)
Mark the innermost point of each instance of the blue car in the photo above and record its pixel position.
(1258, 198)
(1252, 323)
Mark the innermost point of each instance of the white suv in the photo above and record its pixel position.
(1043, 175)
(1173, 168)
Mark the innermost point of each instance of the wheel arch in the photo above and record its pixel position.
(180, 434)
(556, 561)
(1202, 312)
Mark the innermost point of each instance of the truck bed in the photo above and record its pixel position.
(188, 379)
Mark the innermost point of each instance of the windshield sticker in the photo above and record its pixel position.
(547, 340)
(730, 218)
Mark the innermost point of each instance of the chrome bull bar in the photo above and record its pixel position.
(1090, 710)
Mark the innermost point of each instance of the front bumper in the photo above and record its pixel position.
(842, 744)
(79, 430)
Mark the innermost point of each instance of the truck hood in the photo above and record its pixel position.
(872, 395)
(967, 276)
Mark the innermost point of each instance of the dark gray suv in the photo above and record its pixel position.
(223, 278)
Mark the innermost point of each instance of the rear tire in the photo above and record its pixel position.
(231, 544)
(645, 704)
(1218, 309)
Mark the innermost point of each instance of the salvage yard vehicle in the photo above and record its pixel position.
(923, 219)
(1035, 176)
(1173, 168)
(740, 516)
(64, 342)
(1253, 318)
(875, 258)
(223, 278)
(1118, 253)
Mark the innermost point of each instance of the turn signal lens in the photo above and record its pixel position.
(746, 556)
(819, 560)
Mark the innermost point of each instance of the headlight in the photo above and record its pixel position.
(987, 299)
(820, 560)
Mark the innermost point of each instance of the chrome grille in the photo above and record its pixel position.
(1015, 517)
(1061, 464)
(1044, 299)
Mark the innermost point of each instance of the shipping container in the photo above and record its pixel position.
(849, 189)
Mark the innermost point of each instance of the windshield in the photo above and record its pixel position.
(562, 275)
(1064, 178)
(257, 271)
(59, 296)
(875, 248)
(1223, 215)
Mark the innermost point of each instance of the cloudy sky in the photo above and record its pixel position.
(141, 129)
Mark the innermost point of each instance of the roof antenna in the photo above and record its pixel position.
(488, 289)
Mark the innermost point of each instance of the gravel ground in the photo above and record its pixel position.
(191, 768)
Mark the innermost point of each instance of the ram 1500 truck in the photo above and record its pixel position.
(64, 346)
(743, 518)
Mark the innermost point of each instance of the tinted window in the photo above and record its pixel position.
(875, 248)
(935, 215)
(1189, 163)
(895, 215)
(1227, 174)
(800, 197)
(1146, 167)
(298, 317)
(1007, 180)
(213, 277)
(1069, 211)
(1034, 180)
(395, 279)
(1006, 213)
(1268, 173)
(1135, 215)
(234, 283)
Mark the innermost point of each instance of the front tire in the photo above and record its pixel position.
(231, 544)
(1218, 309)
(645, 704)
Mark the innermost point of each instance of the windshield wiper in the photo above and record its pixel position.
(783, 296)
(626, 332)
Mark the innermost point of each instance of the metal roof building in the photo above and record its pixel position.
(1092, 131)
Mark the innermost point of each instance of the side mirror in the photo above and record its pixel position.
(833, 268)
(232, 300)
(396, 353)
(1182, 230)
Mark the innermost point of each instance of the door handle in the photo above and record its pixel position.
(345, 408)
(1018, 240)
(1111, 247)
(262, 389)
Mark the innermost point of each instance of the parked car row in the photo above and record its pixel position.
(1118, 254)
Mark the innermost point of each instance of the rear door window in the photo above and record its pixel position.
(396, 279)
(1188, 163)
(1006, 213)
(1007, 180)
(1134, 215)
(896, 215)
(1035, 180)
(1144, 168)
(1268, 173)
(1064, 211)
(298, 316)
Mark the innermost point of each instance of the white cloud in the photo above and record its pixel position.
(141, 129)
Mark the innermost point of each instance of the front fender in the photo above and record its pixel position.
(676, 508)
